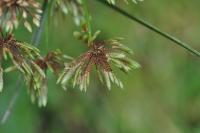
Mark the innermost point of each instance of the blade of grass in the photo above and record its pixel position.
(151, 27)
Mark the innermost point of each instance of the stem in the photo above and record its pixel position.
(151, 27)
(87, 19)
(35, 41)
(12, 101)
(37, 36)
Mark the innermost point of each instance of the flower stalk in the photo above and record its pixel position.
(151, 27)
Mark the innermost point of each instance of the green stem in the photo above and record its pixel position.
(38, 34)
(151, 27)
(87, 19)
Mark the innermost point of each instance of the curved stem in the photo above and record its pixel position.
(35, 41)
(151, 27)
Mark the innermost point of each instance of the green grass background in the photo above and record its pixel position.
(161, 97)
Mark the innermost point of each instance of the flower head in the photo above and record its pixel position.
(19, 52)
(10, 9)
(102, 55)
(38, 81)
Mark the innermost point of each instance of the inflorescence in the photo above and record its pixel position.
(13, 10)
(102, 56)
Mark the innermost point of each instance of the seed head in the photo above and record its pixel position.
(12, 10)
(102, 55)
(20, 54)
(38, 81)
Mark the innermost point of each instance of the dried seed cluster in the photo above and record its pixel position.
(11, 10)
(20, 54)
(38, 81)
(101, 55)
(31, 64)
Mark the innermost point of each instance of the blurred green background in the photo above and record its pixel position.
(161, 97)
